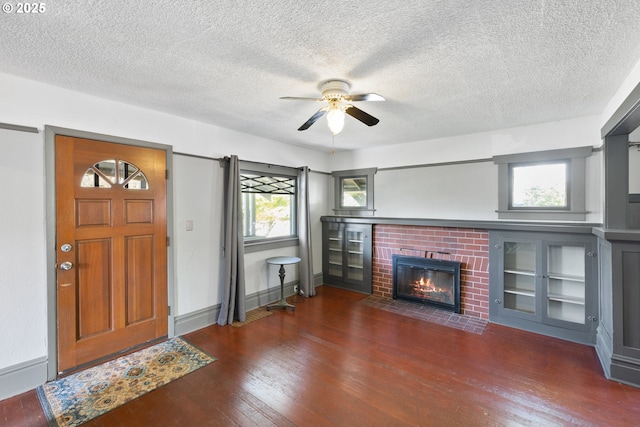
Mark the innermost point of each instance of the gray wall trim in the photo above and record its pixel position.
(22, 377)
(431, 165)
(208, 316)
(19, 128)
(604, 350)
(625, 370)
(556, 227)
(616, 181)
(196, 320)
(50, 206)
(539, 156)
(626, 118)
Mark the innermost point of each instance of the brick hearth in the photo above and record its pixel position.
(468, 246)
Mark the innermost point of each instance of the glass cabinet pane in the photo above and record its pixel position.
(519, 277)
(335, 252)
(566, 283)
(355, 253)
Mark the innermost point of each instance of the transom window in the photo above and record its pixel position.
(539, 185)
(110, 173)
(268, 205)
(354, 192)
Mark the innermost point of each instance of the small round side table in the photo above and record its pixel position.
(282, 261)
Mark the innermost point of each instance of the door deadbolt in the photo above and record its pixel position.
(66, 247)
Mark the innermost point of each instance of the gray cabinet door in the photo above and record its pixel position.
(545, 283)
(346, 256)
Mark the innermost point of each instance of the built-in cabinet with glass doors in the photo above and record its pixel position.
(346, 256)
(545, 283)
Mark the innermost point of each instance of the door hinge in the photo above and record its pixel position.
(168, 241)
(166, 174)
(168, 310)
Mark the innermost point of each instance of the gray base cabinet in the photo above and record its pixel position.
(346, 256)
(544, 283)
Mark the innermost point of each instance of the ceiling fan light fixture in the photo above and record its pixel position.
(335, 119)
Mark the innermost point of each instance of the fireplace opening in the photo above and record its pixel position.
(428, 281)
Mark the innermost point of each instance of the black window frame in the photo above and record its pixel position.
(260, 244)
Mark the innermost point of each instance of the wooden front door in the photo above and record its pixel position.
(111, 246)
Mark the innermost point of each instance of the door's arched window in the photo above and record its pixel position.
(113, 173)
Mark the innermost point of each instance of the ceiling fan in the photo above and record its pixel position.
(335, 93)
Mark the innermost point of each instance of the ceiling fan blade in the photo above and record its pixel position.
(313, 118)
(364, 97)
(299, 98)
(357, 113)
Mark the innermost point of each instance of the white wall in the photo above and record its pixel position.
(23, 291)
(468, 190)
(198, 196)
(577, 132)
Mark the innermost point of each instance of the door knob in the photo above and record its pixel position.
(66, 266)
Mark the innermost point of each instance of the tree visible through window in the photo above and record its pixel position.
(541, 185)
(268, 206)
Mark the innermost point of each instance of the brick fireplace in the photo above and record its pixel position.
(468, 246)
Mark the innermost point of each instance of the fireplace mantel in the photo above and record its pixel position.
(538, 226)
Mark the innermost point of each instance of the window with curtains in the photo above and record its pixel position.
(268, 202)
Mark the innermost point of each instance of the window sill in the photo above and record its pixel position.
(354, 212)
(542, 215)
(265, 245)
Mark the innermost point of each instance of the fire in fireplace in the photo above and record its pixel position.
(428, 281)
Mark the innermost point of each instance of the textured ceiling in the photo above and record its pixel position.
(445, 67)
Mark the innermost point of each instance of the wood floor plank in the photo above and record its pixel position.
(336, 362)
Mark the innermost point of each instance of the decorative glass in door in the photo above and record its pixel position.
(520, 277)
(335, 252)
(566, 283)
(355, 255)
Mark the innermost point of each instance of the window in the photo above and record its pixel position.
(544, 185)
(268, 203)
(110, 173)
(539, 185)
(354, 192)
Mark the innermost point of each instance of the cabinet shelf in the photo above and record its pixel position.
(515, 291)
(567, 277)
(566, 298)
(520, 272)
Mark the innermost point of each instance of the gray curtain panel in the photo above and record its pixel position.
(233, 292)
(304, 235)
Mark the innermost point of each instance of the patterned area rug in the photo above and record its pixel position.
(80, 397)
(252, 316)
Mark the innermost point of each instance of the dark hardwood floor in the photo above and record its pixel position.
(337, 362)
